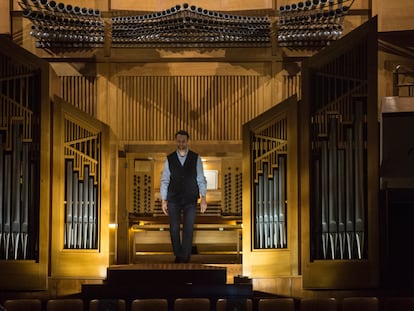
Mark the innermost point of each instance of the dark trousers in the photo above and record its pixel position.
(182, 245)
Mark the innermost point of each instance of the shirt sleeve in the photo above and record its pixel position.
(201, 179)
(165, 180)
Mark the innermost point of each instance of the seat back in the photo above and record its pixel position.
(360, 304)
(107, 305)
(192, 304)
(153, 304)
(224, 304)
(398, 304)
(318, 304)
(64, 305)
(23, 305)
(276, 304)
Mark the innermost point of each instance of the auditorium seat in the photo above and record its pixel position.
(70, 304)
(153, 304)
(276, 304)
(192, 304)
(107, 305)
(23, 305)
(234, 304)
(360, 304)
(398, 304)
(318, 304)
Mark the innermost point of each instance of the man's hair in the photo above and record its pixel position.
(182, 132)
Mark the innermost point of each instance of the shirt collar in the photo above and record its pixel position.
(185, 154)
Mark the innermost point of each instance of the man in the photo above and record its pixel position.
(182, 183)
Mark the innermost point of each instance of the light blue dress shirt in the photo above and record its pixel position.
(166, 174)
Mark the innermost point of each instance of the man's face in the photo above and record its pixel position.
(182, 142)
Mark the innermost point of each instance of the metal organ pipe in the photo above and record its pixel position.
(256, 214)
(265, 225)
(2, 180)
(69, 205)
(341, 202)
(75, 211)
(16, 202)
(276, 206)
(91, 217)
(2, 197)
(271, 208)
(317, 198)
(80, 213)
(7, 203)
(359, 182)
(260, 211)
(282, 202)
(271, 240)
(350, 213)
(333, 186)
(324, 198)
(24, 230)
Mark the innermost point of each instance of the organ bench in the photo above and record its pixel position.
(208, 239)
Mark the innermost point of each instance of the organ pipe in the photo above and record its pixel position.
(359, 182)
(333, 187)
(2, 180)
(82, 153)
(19, 162)
(15, 198)
(339, 203)
(269, 149)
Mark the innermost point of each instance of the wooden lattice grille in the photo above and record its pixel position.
(81, 92)
(150, 108)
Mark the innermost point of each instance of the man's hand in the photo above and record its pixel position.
(203, 204)
(164, 206)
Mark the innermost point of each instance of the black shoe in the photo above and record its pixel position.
(178, 260)
(186, 260)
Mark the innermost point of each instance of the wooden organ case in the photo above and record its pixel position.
(270, 193)
(80, 214)
(339, 164)
(24, 168)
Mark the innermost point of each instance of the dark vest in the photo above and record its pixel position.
(183, 187)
